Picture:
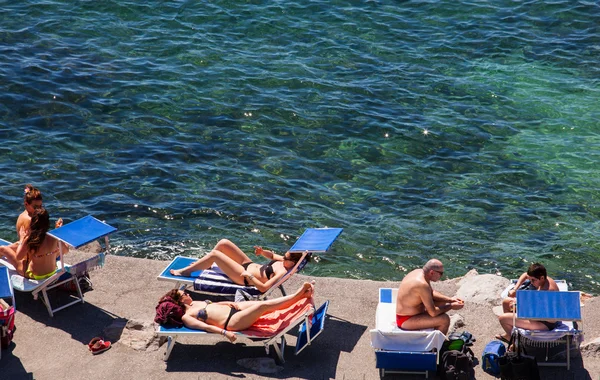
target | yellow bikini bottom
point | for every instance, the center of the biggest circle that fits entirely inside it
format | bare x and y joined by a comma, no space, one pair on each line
30,274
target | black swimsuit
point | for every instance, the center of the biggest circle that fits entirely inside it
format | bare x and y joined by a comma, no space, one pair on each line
231,313
549,325
265,270
203,314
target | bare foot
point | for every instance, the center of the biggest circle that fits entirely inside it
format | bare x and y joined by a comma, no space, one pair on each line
178,272
307,289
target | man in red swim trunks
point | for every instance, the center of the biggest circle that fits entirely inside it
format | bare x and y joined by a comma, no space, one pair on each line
418,306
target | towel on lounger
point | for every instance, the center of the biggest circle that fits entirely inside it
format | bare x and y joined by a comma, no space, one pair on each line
169,313
272,323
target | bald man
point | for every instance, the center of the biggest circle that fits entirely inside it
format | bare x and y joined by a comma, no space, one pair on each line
418,306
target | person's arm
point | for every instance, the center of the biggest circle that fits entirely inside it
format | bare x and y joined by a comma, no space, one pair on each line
520,281
258,284
552,284
57,246
259,251
193,323
427,297
22,248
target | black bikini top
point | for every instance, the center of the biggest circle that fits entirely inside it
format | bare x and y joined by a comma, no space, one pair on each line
267,269
202,313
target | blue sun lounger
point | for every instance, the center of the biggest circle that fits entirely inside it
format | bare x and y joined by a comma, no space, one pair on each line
306,334
214,282
402,351
76,234
563,307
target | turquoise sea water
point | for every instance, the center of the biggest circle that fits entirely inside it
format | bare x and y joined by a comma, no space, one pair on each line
463,130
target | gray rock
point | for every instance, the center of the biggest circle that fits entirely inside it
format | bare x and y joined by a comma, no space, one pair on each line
140,335
482,289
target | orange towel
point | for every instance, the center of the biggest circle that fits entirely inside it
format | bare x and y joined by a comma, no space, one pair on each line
272,323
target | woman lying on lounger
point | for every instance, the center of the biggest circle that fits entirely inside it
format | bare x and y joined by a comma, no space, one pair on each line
177,307
240,268
36,252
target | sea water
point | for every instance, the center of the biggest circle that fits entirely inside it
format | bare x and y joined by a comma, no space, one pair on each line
462,130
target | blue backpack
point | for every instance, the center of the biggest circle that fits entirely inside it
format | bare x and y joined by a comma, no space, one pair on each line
491,353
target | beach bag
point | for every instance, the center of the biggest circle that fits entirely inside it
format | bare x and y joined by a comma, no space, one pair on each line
7,326
492,352
458,365
518,365
457,357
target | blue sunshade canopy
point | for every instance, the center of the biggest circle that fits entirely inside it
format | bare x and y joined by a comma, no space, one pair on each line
548,305
82,231
316,240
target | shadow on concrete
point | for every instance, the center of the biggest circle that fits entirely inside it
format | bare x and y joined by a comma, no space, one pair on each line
319,361
82,321
11,366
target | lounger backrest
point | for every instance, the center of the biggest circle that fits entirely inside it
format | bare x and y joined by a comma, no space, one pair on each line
548,305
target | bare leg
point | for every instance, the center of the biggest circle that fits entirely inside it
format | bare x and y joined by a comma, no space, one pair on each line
506,321
250,311
223,250
11,257
232,251
507,304
425,321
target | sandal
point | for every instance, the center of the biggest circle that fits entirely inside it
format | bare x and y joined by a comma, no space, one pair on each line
501,338
97,345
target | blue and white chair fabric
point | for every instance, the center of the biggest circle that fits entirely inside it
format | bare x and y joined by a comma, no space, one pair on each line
402,351
214,282
76,234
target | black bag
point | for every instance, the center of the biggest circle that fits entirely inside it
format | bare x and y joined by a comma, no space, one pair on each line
518,365
457,357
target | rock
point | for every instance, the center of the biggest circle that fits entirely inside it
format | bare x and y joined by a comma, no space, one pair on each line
260,365
482,289
140,335
456,321
592,348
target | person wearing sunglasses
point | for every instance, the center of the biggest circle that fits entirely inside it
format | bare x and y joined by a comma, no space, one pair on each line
418,306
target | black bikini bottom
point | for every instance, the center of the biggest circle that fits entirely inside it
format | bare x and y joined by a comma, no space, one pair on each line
246,265
231,313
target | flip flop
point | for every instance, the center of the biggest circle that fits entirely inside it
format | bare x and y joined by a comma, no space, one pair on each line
501,338
97,345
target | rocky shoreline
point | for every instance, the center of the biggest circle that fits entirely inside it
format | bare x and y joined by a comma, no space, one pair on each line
120,308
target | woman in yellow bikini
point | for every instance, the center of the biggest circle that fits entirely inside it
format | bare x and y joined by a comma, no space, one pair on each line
35,256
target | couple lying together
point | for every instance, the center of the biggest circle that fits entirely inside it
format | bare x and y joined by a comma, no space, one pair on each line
418,306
